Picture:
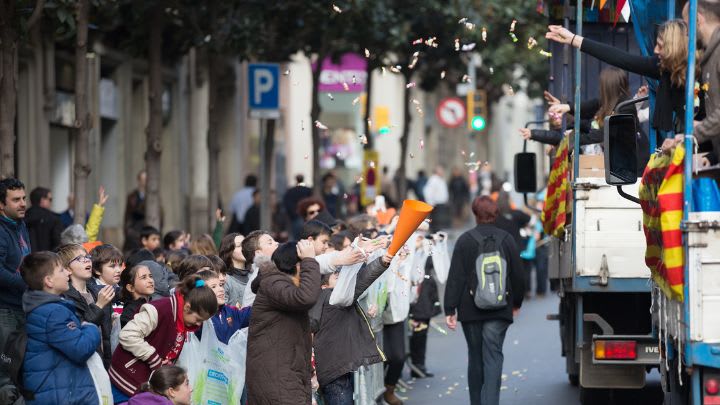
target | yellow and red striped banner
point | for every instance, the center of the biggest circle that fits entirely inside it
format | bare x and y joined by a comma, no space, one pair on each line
554,212
661,196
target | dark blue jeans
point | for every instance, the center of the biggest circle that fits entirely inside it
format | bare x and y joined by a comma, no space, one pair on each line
340,391
485,360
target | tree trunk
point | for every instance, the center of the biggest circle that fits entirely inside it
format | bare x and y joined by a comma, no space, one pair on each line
266,175
314,116
81,170
404,138
214,72
154,130
368,93
8,87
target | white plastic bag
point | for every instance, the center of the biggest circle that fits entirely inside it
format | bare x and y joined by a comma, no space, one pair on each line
101,379
115,332
190,357
441,260
343,293
217,371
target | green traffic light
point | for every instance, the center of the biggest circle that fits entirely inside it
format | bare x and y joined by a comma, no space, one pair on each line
478,123
384,131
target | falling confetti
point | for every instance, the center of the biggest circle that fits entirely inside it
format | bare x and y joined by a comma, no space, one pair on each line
468,47
410,85
395,69
356,100
372,164
417,41
363,139
469,26
545,53
531,43
336,9
457,44
422,144
367,53
462,20
462,152
414,61
484,34
514,38
415,101
472,154
320,125
306,157
359,180
512,25
492,71
330,96
412,156
466,79
431,42
442,75
286,72
345,86
354,80
345,196
369,121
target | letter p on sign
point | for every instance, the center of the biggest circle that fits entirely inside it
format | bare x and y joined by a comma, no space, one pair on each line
264,90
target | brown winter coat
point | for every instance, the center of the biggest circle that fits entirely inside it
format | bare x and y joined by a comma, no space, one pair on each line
279,342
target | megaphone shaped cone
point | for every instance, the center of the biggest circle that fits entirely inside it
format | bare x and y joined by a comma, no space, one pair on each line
411,216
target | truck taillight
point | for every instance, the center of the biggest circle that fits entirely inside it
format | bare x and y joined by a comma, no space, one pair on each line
615,349
711,386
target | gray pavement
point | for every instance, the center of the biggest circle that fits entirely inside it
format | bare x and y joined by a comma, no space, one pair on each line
534,369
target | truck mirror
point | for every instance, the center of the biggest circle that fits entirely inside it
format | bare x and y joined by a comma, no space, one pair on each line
525,173
620,149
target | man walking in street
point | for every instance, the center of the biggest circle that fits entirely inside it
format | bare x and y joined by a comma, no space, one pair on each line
14,245
436,194
44,226
241,203
484,305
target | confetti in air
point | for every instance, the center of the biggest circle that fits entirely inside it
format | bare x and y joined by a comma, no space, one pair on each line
286,72
484,34
468,47
371,164
395,69
463,20
546,53
345,196
363,139
514,38
359,180
422,144
531,43
469,26
457,44
412,156
417,41
466,79
472,154
356,100
431,42
320,125
414,62
462,152
492,71
415,101
369,122
354,80
345,86
336,9
512,25
330,96
306,157
442,75
367,53
410,85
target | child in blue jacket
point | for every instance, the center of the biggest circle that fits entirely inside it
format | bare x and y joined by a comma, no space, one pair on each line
229,319
58,344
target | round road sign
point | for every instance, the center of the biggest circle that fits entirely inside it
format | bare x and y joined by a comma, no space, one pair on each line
451,112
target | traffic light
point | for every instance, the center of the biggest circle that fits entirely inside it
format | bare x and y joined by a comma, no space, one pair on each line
477,110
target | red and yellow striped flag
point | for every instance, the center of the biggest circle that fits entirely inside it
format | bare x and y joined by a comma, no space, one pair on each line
661,199
670,197
555,210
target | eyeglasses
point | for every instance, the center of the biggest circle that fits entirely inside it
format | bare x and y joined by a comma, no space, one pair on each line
82,258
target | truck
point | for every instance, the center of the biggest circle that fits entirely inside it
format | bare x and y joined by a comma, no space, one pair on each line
622,312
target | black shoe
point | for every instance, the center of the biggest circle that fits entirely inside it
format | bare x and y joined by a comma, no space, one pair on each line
422,372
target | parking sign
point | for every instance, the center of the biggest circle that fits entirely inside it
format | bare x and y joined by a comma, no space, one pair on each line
264,90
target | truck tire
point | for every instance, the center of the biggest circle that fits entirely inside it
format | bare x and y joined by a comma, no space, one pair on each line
594,396
676,395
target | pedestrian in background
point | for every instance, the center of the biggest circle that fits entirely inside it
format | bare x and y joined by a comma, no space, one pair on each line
459,194
484,326
44,226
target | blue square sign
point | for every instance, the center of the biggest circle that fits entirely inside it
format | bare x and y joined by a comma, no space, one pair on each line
264,90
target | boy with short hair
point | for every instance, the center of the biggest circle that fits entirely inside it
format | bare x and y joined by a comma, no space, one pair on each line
318,233
58,344
150,237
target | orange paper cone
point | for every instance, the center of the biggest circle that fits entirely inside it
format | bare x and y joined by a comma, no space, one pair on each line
411,216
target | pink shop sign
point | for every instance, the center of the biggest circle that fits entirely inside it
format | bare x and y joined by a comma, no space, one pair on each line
350,71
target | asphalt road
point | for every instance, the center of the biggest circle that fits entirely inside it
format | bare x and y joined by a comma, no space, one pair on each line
534,370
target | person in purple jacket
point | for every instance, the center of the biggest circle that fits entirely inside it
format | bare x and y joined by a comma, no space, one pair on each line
168,385
229,319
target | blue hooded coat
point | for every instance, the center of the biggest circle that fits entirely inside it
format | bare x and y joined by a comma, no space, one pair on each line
58,348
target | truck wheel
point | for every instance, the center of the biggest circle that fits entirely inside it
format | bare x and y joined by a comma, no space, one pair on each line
594,396
574,379
676,395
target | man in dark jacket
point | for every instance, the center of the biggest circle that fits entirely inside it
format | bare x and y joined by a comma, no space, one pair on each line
343,340
278,353
44,226
484,329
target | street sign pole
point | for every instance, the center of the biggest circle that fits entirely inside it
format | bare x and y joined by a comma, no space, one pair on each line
264,103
